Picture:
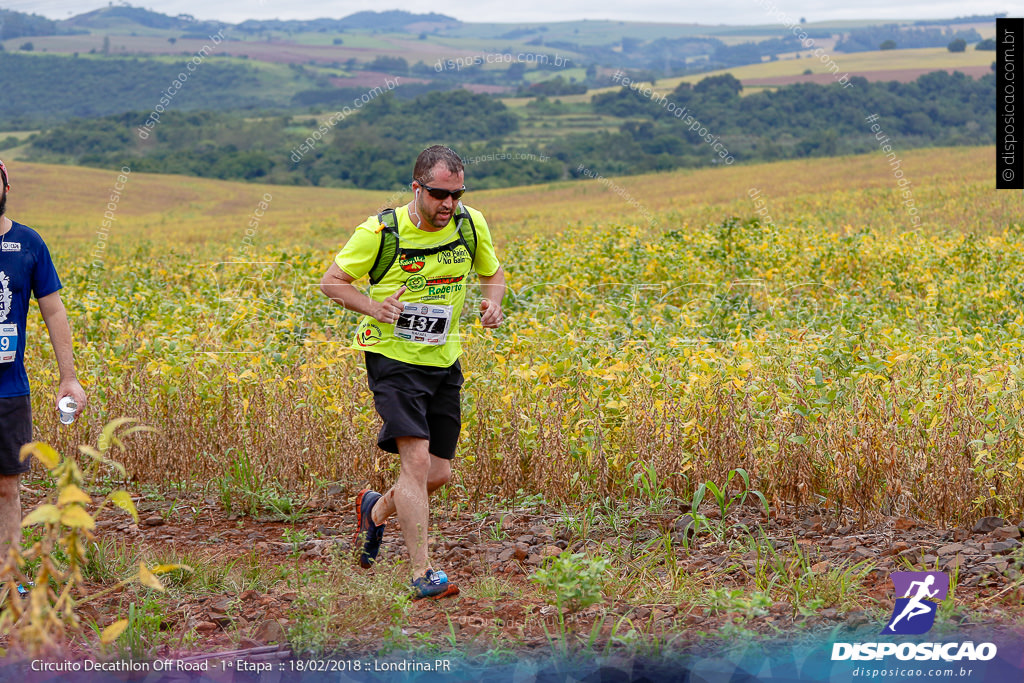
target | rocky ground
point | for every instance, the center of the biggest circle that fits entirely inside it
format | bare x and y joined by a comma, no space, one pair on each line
806,571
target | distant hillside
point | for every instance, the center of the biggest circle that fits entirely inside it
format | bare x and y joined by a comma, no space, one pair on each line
18,24
77,86
391,21
119,16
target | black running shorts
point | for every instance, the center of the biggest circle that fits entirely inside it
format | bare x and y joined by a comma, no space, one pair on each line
418,401
15,432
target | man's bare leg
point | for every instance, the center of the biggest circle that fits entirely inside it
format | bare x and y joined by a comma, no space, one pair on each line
439,475
409,498
10,513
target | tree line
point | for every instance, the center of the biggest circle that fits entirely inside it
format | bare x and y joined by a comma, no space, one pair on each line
375,147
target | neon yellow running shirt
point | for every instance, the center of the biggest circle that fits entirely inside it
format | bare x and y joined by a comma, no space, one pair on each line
427,333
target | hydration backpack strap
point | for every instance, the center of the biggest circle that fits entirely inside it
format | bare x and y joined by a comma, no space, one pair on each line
388,250
467,231
389,247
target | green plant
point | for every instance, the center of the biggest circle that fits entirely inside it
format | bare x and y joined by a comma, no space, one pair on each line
322,619
722,497
755,604
493,588
648,486
497,532
108,560
790,577
296,537
142,632
579,520
574,580
244,489
60,555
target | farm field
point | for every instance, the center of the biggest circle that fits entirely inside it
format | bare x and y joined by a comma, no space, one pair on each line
889,65
308,48
660,336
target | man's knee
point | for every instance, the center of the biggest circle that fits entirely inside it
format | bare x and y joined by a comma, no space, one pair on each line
415,459
9,486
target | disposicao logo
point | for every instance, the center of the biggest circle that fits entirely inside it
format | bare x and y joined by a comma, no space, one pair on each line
914,614
922,592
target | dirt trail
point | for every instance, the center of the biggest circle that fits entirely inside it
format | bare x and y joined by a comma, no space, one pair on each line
492,557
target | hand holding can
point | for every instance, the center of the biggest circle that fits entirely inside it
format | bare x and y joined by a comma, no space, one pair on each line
67,408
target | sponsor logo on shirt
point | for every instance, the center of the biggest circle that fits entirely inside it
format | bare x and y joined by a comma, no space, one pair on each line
411,265
10,246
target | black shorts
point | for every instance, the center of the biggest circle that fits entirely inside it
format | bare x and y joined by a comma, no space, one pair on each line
418,401
15,432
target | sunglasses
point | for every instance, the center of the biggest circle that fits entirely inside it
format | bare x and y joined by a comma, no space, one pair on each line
441,194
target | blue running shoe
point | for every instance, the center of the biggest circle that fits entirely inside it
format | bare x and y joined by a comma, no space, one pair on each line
367,533
433,585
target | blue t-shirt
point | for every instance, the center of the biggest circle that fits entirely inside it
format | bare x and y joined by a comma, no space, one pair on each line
25,268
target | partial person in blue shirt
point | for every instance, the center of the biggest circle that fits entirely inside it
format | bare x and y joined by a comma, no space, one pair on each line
25,270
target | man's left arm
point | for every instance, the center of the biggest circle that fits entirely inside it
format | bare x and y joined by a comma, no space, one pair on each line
56,319
493,289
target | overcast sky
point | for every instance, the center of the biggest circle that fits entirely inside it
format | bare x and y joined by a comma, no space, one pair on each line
670,11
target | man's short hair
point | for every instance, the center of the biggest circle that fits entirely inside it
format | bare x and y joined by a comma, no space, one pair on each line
423,172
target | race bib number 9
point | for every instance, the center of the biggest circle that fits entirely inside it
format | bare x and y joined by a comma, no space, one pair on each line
8,343
424,323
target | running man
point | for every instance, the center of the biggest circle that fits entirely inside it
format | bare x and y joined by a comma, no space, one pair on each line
915,606
25,270
410,335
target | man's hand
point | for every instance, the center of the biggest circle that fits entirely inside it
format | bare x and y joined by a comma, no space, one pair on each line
490,313
71,387
492,287
387,311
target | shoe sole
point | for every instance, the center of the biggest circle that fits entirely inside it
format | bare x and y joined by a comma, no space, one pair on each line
359,528
359,515
449,592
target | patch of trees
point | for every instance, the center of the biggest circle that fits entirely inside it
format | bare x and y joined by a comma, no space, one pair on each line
553,87
18,24
374,147
801,120
870,38
689,126
44,89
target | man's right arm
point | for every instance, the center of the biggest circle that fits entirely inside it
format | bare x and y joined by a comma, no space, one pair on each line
337,286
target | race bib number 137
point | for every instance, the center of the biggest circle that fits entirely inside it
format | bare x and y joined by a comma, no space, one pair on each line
8,343
424,323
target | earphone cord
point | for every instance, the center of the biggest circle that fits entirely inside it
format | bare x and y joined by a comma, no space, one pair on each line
414,201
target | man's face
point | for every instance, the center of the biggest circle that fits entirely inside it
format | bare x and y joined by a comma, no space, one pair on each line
437,212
